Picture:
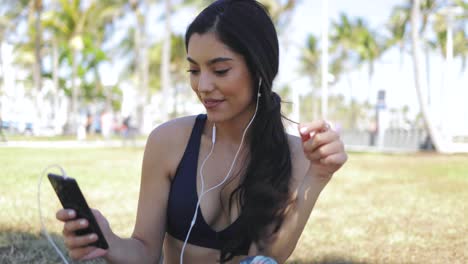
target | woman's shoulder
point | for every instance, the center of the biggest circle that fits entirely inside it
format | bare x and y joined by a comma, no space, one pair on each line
172,136
174,130
167,142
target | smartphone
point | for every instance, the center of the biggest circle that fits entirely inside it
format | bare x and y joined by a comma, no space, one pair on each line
70,197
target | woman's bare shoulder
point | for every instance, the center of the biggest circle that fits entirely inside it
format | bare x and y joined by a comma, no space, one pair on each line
169,140
173,131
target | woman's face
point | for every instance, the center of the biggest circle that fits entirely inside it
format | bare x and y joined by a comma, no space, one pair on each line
220,78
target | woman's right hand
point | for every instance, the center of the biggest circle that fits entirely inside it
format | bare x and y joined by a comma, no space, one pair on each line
78,246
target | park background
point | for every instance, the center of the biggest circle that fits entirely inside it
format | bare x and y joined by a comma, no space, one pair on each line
73,72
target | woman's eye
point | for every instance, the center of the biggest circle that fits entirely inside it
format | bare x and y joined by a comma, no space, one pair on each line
221,72
193,71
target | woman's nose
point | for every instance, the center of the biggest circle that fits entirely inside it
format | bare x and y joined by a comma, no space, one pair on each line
205,83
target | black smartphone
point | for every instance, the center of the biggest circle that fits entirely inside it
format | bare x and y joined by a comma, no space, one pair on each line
70,196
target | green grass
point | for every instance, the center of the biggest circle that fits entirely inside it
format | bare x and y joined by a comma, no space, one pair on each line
377,209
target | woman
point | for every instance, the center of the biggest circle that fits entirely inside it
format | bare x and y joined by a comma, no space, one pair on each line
229,184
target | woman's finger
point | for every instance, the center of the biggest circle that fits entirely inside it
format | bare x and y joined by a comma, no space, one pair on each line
325,150
337,159
65,214
74,225
308,130
319,140
85,253
98,252
73,242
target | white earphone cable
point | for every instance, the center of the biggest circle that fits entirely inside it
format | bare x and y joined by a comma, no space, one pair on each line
43,228
192,223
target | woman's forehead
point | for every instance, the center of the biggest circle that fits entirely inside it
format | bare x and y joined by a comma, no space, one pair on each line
206,47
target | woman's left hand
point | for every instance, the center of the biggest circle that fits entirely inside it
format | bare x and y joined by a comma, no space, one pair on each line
323,147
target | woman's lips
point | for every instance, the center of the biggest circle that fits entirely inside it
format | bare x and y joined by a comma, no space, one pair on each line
212,103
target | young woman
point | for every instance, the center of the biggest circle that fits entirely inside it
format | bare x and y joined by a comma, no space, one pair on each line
229,184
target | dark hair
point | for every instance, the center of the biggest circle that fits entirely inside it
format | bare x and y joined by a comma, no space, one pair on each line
246,28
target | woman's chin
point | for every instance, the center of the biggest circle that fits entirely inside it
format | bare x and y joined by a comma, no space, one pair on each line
218,116
215,116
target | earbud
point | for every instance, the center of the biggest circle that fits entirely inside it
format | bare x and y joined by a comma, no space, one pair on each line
213,134
259,85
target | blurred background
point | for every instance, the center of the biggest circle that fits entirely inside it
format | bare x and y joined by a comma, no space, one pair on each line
388,75
83,82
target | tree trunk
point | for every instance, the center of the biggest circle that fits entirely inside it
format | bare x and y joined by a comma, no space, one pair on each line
440,144
138,61
165,62
37,78
55,69
144,63
141,63
73,120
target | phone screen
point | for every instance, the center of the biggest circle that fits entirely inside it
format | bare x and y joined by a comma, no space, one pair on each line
70,197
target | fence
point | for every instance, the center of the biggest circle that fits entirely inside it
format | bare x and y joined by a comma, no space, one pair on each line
396,139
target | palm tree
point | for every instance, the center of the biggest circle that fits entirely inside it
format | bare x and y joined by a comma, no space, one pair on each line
311,66
280,11
36,7
141,63
399,25
78,33
343,46
439,143
460,38
368,48
166,56
417,14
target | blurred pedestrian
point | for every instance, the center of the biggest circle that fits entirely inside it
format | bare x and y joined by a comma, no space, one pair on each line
106,123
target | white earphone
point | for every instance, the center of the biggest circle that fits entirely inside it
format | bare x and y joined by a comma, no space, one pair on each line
259,86
202,191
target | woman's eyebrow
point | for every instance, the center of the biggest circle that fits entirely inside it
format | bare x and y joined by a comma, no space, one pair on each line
212,61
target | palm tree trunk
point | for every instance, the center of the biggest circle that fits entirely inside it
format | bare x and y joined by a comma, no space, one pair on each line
138,61
55,69
439,143
145,61
144,66
37,78
141,62
166,59
73,121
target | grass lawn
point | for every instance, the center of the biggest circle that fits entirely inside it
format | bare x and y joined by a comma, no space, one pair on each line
378,209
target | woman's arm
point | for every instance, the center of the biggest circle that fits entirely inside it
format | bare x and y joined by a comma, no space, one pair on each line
281,245
145,245
319,156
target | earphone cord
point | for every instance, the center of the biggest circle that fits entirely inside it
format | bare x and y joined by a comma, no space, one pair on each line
221,183
43,228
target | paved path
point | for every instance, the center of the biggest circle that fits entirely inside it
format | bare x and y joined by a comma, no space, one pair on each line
73,144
